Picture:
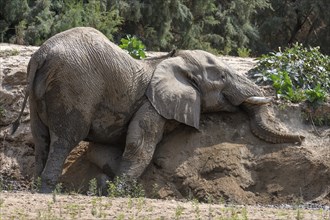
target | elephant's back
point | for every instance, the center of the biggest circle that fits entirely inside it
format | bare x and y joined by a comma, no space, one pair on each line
87,64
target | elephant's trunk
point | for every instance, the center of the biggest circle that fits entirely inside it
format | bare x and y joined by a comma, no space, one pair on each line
260,125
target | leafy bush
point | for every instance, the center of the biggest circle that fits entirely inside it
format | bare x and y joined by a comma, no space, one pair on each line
243,52
133,46
297,73
316,95
92,188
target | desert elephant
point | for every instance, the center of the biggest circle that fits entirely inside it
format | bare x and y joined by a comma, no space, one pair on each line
83,87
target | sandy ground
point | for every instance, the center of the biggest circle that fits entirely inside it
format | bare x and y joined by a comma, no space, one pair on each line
25,205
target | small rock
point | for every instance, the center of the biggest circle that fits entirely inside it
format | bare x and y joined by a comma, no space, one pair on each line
6,98
14,77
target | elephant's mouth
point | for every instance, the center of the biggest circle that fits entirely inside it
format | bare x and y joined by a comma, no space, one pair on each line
258,111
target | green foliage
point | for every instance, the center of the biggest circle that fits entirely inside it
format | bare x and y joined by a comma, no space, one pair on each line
37,21
92,187
226,27
296,73
2,112
91,14
243,52
36,184
133,46
58,190
162,25
316,95
124,187
178,212
6,53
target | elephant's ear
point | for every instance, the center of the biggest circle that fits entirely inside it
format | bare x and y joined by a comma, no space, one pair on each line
173,94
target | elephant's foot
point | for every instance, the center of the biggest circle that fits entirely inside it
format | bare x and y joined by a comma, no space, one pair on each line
129,169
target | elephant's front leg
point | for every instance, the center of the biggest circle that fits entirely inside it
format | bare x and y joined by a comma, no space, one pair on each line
144,132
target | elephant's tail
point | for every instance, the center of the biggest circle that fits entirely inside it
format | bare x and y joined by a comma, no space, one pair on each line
31,72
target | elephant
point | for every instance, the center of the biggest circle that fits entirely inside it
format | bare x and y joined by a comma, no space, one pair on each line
81,86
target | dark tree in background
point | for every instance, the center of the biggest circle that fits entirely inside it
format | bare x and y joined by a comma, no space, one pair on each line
219,26
213,25
287,22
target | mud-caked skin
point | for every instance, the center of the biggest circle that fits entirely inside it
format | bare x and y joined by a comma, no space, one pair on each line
83,87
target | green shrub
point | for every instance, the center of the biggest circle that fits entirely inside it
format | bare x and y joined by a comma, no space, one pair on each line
133,46
243,52
92,187
297,73
316,95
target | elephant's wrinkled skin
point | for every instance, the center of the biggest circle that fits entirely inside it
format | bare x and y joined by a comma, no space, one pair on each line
83,87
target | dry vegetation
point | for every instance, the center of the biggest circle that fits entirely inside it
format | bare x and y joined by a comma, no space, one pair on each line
25,205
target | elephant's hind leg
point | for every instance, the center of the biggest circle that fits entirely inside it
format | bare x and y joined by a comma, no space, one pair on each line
59,149
67,127
41,140
144,132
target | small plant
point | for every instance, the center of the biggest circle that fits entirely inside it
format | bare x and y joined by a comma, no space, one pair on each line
92,187
297,73
48,213
19,214
234,213
2,112
197,210
123,187
1,184
130,203
58,188
57,191
245,214
97,207
73,210
155,189
243,52
140,203
178,212
209,198
6,53
36,184
121,216
222,200
316,95
133,46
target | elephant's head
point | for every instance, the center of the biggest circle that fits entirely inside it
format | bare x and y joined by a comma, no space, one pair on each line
192,82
